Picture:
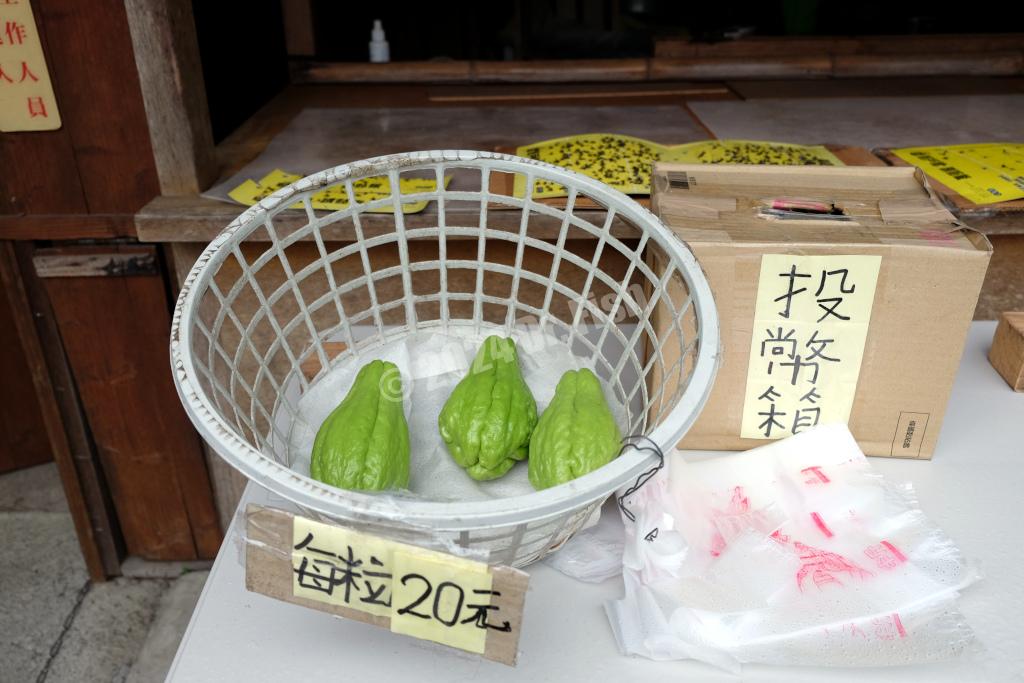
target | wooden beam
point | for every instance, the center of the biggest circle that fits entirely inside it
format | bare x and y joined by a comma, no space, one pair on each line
171,78
560,71
776,46
299,37
98,261
392,72
66,226
809,58
907,86
944,43
1007,63
40,174
549,71
23,438
91,511
590,93
97,85
761,46
228,483
721,68
197,219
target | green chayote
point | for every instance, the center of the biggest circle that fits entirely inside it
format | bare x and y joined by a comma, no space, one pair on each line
488,419
364,443
575,435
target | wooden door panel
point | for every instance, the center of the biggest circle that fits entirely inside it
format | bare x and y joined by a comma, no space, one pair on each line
23,440
115,332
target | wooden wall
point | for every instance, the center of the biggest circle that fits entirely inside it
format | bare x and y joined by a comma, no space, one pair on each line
86,181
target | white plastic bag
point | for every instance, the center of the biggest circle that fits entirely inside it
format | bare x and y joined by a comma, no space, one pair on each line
593,554
792,553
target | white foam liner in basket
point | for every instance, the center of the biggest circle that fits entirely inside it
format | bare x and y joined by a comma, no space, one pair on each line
266,298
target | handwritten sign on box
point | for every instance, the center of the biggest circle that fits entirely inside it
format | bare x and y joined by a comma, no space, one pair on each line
811,321
412,591
26,94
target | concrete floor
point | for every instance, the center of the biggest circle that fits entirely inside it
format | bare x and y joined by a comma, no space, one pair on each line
56,625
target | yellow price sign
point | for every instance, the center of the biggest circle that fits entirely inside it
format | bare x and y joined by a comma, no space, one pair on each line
341,567
413,591
445,599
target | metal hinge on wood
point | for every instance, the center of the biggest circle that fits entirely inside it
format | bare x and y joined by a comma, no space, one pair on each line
96,261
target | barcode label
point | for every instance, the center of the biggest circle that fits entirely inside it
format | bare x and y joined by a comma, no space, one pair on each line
680,181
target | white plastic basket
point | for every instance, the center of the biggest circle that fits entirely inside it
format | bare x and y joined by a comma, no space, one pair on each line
252,311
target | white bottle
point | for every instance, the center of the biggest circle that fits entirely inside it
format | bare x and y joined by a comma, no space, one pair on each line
379,50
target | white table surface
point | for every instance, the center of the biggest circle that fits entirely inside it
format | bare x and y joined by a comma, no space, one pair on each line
972,489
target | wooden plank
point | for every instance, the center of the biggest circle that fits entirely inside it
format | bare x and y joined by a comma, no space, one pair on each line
349,134
1003,289
91,56
171,78
228,483
534,71
754,46
594,93
311,366
855,156
65,226
818,64
560,71
96,262
708,133
393,72
505,185
191,219
1007,63
181,256
64,427
23,439
299,37
876,87
767,46
255,134
196,219
115,334
724,68
945,43
40,174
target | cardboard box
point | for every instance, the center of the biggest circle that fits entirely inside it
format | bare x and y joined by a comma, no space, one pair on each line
898,310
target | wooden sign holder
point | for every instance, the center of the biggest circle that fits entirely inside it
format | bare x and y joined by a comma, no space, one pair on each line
268,571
